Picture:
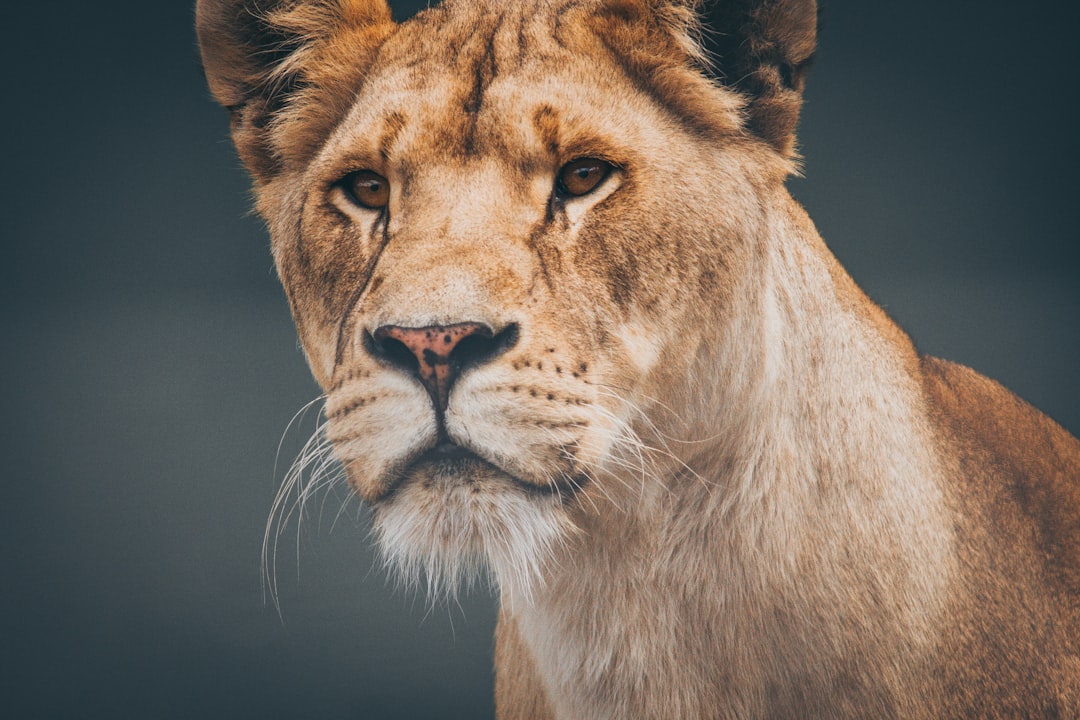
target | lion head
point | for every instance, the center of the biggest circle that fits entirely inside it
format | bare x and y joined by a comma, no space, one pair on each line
510,236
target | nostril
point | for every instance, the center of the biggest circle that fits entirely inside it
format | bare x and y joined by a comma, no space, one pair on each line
483,346
391,351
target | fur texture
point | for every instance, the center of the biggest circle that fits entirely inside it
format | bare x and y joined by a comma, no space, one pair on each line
710,478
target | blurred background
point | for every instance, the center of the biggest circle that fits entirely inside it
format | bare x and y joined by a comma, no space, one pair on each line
150,367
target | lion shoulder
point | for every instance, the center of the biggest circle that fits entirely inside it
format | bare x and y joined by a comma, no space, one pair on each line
1022,463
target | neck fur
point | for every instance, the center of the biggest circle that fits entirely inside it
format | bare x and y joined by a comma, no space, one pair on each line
802,522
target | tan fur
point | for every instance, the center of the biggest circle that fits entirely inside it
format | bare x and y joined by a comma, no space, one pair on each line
710,478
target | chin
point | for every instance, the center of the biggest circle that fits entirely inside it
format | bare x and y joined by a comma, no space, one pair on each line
452,519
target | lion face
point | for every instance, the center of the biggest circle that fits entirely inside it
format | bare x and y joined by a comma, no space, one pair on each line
500,270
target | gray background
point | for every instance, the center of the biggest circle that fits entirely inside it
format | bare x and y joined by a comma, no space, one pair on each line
150,367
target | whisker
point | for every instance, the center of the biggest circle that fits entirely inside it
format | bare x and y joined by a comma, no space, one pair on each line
311,472
664,451
619,393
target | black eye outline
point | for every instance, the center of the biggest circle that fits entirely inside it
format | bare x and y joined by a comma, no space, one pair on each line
565,191
375,194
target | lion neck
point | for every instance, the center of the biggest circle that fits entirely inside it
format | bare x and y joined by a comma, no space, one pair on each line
786,529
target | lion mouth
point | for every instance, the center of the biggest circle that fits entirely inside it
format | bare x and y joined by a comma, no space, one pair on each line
450,458
448,464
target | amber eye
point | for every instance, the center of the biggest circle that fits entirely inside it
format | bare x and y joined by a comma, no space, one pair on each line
367,189
581,176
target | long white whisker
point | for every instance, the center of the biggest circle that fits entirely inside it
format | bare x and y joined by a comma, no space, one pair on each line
641,445
297,418
308,475
613,391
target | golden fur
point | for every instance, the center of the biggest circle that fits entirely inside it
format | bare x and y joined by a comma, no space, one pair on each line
708,475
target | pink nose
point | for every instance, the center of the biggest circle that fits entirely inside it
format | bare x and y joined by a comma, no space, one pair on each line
437,354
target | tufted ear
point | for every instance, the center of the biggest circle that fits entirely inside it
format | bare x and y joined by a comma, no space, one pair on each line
286,69
763,48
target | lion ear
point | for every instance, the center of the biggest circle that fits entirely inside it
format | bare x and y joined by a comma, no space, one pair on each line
763,49
265,58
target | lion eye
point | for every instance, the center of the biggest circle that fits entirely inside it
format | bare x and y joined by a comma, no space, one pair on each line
367,189
581,176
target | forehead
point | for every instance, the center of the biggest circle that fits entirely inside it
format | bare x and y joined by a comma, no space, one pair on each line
469,79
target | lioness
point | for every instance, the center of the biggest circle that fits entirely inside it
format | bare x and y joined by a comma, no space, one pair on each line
573,329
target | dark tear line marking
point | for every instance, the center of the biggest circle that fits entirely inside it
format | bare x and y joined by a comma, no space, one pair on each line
537,247
347,325
302,257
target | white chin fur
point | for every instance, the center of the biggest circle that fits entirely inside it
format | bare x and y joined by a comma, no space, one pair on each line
445,534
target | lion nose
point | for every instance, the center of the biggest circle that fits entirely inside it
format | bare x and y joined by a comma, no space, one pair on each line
438,354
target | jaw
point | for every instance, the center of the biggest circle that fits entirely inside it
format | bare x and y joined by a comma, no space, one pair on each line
453,516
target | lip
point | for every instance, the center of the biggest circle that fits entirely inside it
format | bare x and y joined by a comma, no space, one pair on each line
447,451
450,458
